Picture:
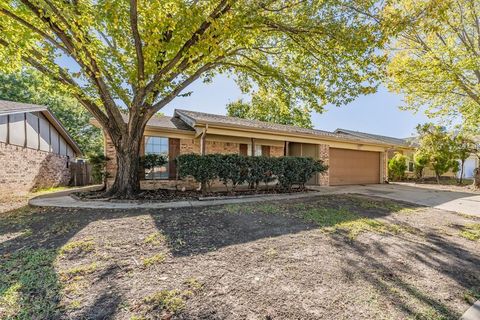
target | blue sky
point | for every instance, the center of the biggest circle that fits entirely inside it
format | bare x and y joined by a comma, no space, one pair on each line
377,113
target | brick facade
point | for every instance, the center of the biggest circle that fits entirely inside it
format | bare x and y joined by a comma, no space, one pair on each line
324,155
25,169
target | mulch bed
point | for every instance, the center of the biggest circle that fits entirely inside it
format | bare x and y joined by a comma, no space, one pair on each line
169,195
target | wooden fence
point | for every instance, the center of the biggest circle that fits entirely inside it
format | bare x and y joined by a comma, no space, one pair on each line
80,173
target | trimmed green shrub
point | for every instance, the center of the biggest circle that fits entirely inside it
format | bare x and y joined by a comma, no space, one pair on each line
297,170
204,169
234,169
397,167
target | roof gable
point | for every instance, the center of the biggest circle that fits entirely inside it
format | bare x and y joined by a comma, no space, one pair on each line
11,107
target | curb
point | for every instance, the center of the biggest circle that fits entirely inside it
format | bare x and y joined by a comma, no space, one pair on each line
67,201
473,313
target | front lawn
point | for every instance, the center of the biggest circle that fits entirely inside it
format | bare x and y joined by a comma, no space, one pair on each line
330,257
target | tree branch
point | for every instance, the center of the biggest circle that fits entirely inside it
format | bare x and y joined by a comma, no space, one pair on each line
137,41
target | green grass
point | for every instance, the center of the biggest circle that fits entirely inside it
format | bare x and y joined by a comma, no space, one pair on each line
153,260
172,301
49,190
78,247
29,288
471,232
472,295
155,238
334,220
79,271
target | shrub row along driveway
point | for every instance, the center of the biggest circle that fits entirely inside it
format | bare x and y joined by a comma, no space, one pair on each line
332,256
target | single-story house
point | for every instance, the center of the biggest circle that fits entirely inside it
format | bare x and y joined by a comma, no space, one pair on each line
35,149
351,160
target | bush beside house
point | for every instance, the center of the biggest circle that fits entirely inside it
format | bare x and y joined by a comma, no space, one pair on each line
233,169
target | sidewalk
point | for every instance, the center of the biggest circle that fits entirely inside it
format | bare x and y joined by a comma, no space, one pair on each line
66,201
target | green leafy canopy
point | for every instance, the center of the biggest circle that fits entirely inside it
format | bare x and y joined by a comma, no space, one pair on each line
127,59
436,58
271,107
145,53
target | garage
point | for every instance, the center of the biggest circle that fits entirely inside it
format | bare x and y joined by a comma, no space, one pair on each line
353,167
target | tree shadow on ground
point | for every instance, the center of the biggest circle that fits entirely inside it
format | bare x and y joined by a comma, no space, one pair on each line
31,242
394,279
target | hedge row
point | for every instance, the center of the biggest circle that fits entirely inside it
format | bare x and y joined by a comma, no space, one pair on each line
234,169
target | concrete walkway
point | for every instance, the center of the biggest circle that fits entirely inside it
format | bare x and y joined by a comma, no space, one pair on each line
462,202
65,201
466,202
473,313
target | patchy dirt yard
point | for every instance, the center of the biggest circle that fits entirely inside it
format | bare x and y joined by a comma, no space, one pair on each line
328,257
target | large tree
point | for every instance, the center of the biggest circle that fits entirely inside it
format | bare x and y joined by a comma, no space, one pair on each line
124,60
271,107
30,87
436,57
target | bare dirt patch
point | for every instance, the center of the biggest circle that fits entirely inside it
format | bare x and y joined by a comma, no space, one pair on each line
342,257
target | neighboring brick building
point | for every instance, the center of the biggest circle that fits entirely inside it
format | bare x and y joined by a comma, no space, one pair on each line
35,149
351,160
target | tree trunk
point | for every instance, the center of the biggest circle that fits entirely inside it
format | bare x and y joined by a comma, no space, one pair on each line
476,178
438,177
461,172
127,180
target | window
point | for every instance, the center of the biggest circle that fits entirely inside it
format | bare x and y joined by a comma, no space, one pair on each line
258,150
410,166
157,145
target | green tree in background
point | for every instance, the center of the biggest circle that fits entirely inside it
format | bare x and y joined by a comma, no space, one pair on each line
420,161
463,147
436,57
137,56
397,167
436,145
29,87
271,107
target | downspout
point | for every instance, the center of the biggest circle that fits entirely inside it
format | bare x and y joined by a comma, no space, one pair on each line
203,151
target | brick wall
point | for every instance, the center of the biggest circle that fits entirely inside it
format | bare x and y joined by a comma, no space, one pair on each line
193,146
276,151
324,155
24,169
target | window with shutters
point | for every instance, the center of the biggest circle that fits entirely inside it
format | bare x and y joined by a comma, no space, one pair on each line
157,145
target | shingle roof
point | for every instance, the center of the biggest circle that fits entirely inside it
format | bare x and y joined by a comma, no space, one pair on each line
385,139
168,122
215,118
201,117
11,107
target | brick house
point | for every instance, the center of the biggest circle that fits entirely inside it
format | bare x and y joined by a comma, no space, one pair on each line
351,160
35,149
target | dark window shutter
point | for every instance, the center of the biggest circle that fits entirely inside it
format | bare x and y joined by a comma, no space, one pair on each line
173,153
243,149
266,151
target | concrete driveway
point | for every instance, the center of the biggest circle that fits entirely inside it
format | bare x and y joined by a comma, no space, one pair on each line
461,202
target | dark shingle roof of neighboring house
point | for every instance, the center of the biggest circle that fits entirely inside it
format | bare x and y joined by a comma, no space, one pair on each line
193,117
364,135
11,107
